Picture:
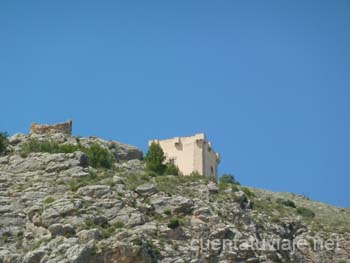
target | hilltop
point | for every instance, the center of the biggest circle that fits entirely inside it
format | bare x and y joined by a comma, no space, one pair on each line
86,200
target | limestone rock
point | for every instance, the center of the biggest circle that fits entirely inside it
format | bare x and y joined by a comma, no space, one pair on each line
146,190
54,208
95,191
212,187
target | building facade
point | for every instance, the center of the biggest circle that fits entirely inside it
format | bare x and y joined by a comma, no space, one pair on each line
191,154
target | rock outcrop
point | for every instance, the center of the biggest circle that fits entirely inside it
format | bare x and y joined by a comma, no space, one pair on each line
55,208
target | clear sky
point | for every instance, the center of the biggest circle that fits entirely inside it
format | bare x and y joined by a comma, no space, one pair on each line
267,81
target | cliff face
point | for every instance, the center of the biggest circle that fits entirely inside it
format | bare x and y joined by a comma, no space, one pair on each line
56,208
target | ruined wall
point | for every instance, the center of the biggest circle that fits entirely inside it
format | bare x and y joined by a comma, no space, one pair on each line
65,127
191,154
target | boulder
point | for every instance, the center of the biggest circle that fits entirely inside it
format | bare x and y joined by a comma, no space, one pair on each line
79,254
95,191
213,188
146,190
90,234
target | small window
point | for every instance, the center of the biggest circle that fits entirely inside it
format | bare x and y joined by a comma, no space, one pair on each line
211,169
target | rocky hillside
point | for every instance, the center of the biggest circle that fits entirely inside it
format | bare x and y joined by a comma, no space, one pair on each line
56,207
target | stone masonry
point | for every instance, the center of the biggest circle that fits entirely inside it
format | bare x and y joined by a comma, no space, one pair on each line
65,128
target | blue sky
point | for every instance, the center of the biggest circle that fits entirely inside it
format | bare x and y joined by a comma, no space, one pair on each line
267,81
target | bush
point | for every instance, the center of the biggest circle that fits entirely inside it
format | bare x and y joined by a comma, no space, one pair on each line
49,200
34,145
234,188
174,223
287,202
195,174
167,212
305,212
3,142
172,169
118,224
99,156
228,179
248,192
155,158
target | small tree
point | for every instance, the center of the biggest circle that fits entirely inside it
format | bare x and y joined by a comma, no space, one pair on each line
99,156
3,142
172,169
228,179
155,158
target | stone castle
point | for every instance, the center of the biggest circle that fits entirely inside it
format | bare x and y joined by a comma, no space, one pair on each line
191,154
65,128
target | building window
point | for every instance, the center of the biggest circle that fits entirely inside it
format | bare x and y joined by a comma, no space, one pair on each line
211,169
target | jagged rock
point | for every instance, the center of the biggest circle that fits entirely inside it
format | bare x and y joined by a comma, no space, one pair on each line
34,256
79,254
182,205
7,256
129,217
203,214
58,209
146,190
88,235
213,188
244,200
56,230
82,158
160,203
61,230
95,191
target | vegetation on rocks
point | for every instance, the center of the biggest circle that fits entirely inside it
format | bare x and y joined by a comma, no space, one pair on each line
287,202
306,212
172,169
228,179
98,156
3,142
55,209
174,223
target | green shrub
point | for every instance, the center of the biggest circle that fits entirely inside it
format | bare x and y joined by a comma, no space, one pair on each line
49,200
228,179
248,192
4,142
48,146
305,212
99,156
118,224
174,223
134,180
172,169
167,212
151,174
155,158
234,188
287,202
195,174
151,250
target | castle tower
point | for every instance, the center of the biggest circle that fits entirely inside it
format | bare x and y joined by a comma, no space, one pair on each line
191,154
